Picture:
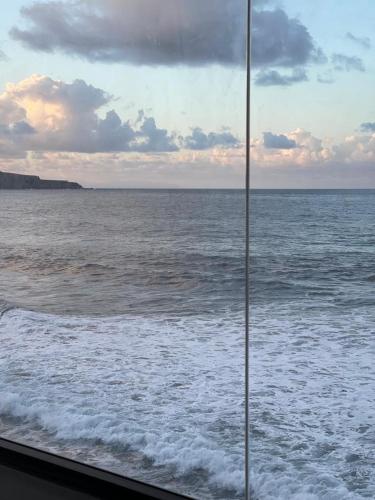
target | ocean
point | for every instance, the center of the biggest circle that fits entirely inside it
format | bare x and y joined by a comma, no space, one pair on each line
312,349
122,335
122,332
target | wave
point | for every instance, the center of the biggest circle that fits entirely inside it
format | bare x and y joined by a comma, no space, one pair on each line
168,388
312,403
48,264
4,307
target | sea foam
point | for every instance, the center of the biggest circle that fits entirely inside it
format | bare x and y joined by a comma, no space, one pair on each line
171,389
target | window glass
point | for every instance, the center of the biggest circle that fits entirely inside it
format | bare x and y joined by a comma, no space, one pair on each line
312,250
122,236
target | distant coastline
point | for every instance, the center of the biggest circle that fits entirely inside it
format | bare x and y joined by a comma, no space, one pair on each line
20,181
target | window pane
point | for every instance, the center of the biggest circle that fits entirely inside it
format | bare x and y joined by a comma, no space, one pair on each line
312,376
121,313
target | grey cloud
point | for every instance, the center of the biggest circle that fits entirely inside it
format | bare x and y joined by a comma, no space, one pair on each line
273,141
332,176
278,40
368,127
281,41
16,129
150,138
161,32
90,134
342,62
78,96
269,78
364,42
167,32
111,134
22,128
199,140
12,139
10,112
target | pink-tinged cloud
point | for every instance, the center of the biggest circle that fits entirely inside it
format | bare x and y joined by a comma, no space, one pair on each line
42,114
216,168
314,162
298,147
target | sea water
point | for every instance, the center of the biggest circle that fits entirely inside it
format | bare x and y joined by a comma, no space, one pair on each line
122,336
312,345
122,332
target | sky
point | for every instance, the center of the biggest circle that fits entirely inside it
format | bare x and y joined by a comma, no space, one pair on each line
151,93
313,107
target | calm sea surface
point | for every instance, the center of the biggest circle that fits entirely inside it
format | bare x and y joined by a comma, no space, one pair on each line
122,340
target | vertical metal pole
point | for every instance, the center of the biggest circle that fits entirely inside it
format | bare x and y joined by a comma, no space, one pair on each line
247,258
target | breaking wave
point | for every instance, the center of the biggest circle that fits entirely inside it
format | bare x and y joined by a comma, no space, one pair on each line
168,388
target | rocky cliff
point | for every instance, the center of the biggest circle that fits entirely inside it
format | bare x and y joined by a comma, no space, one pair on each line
18,181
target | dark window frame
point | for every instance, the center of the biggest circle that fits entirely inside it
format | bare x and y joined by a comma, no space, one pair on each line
26,472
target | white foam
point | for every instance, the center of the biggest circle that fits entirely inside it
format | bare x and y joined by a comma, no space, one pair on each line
169,388
172,389
312,402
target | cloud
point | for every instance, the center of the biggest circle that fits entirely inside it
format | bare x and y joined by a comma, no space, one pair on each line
10,112
42,114
368,127
267,78
272,141
274,152
364,42
278,40
298,147
17,128
355,149
199,140
76,97
161,32
331,175
342,62
167,32
62,115
13,139
14,129
151,138
217,168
